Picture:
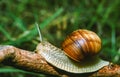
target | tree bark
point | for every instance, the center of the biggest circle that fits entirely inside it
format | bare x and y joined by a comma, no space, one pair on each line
31,61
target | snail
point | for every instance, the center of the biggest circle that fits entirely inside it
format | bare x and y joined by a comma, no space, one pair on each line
72,57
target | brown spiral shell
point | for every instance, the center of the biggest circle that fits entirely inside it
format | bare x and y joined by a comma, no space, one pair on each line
81,44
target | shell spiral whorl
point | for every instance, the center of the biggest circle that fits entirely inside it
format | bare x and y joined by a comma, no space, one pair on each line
81,44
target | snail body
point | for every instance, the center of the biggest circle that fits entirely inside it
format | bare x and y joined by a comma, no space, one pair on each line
67,60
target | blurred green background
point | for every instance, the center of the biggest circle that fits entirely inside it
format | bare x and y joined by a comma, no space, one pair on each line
57,19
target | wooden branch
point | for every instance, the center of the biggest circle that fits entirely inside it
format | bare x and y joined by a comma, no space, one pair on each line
30,61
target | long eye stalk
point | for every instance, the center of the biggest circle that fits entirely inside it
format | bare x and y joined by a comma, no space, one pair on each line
39,31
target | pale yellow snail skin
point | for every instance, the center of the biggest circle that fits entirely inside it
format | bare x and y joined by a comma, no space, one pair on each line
75,61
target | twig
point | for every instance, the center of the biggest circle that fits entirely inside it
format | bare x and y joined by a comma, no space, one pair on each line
30,61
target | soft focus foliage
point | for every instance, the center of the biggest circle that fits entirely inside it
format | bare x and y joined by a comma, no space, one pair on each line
58,18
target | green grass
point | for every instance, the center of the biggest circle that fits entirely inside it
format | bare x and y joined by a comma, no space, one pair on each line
20,73
57,19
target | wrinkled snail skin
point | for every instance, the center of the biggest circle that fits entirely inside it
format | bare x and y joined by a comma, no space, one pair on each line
81,44
84,44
